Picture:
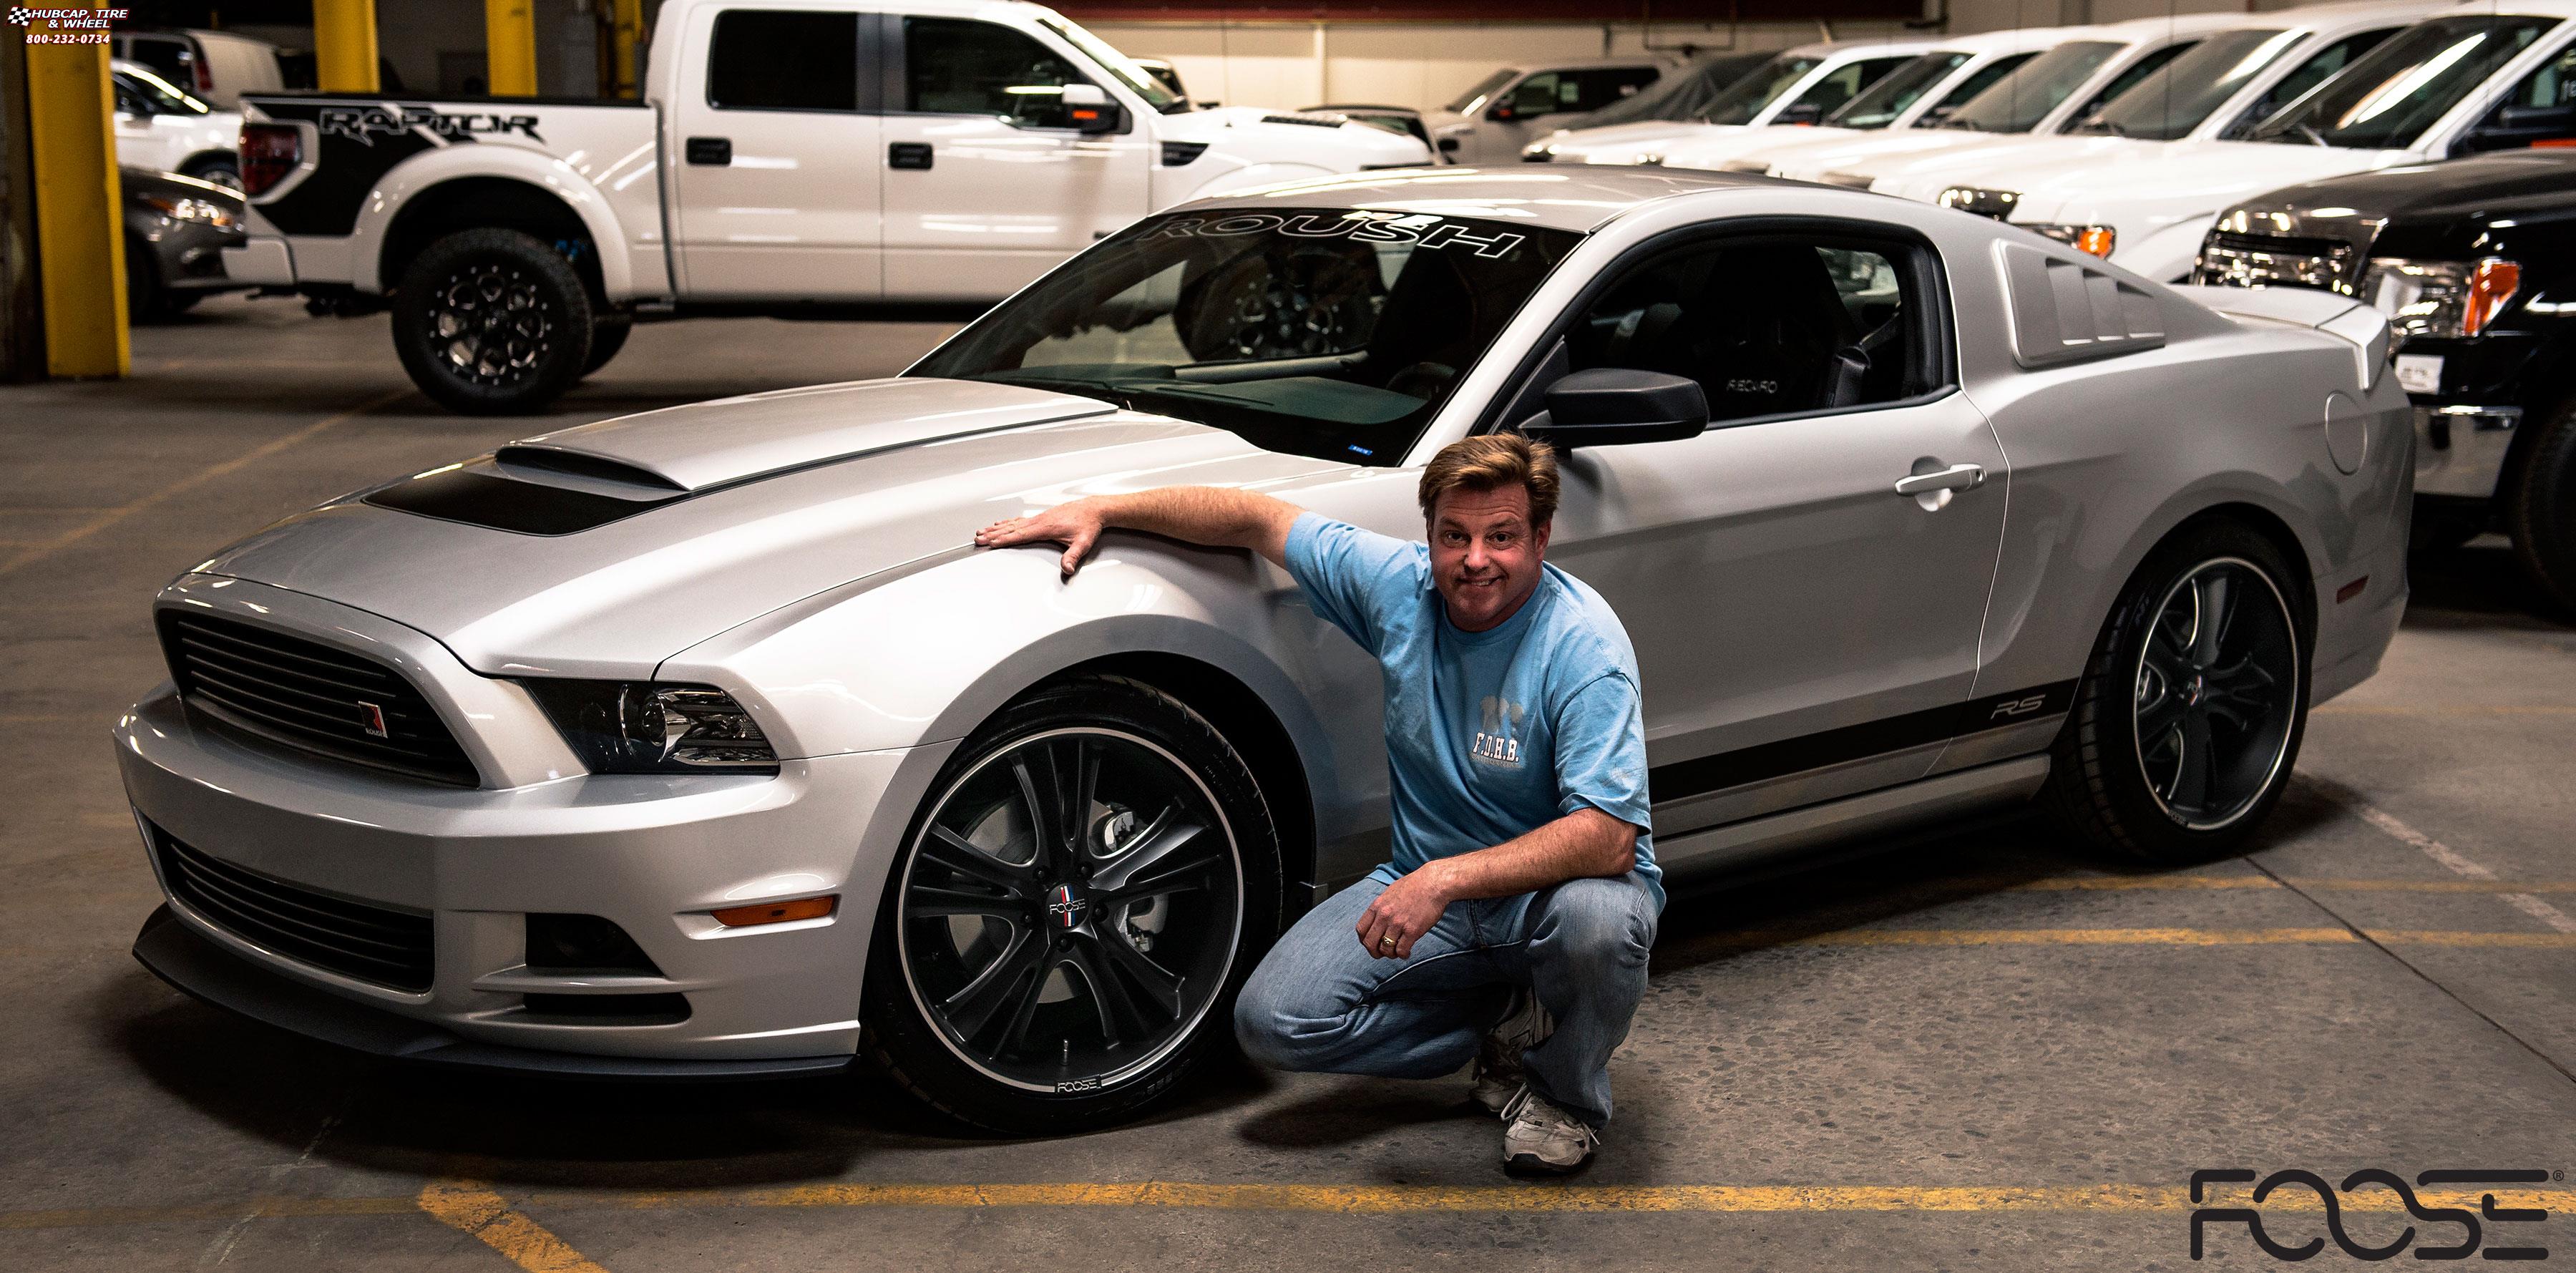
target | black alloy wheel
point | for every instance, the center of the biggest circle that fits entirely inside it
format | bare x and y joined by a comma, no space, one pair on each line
2189,716
1080,897
492,322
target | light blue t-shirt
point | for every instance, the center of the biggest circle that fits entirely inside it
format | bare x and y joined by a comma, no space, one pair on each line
1489,735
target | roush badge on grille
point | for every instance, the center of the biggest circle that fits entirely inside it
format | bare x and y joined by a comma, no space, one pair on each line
372,718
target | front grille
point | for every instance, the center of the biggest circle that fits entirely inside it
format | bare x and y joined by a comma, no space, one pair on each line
311,697
2257,260
371,943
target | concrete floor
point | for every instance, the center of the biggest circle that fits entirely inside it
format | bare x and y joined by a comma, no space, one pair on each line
1980,1050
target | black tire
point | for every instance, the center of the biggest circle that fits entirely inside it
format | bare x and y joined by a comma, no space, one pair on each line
607,336
2540,512
956,1008
145,301
492,322
219,169
2154,696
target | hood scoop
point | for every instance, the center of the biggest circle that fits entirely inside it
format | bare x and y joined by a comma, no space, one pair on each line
583,478
702,446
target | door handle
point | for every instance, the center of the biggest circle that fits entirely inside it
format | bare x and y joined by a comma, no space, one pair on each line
1957,477
908,154
715,151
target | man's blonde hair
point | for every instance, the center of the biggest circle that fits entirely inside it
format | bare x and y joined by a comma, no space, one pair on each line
1491,461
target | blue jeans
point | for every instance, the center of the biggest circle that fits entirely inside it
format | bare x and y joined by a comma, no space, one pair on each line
1319,1002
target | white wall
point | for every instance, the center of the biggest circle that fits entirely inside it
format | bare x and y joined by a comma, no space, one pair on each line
1406,64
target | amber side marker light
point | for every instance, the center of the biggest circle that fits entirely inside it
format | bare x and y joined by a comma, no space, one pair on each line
777,912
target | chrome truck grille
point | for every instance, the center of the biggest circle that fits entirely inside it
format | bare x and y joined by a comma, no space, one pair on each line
311,697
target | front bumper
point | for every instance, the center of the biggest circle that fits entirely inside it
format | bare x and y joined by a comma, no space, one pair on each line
652,854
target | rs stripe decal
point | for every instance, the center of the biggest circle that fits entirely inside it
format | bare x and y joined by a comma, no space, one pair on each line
1702,774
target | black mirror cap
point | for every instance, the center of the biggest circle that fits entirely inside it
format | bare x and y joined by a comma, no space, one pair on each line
1607,406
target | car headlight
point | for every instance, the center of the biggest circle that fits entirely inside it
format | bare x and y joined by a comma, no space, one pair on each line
2440,298
627,727
2096,239
1651,159
1998,204
200,210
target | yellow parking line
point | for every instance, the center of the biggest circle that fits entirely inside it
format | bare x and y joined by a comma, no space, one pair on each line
2115,883
472,1208
2194,883
39,551
2133,937
2373,709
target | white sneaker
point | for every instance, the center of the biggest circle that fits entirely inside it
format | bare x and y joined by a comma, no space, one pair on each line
1498,1062
1543,1140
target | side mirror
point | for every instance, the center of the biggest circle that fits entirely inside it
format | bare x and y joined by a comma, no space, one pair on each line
1090,110
1607,406
1798,114
2516,127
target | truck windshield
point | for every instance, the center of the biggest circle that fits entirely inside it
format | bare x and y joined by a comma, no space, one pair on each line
1329,332
2384,100
1678,96
2015,103
1138,80
1878,105
1468,102
163,96
2178,95
1746,97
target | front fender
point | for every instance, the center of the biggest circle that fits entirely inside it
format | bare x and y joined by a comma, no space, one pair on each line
925,653
430,169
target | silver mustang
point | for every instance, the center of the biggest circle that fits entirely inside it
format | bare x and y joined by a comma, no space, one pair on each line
703,743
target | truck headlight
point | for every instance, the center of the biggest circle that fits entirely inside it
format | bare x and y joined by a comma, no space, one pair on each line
2096,239
628,727
1998,204
202,210
2440,298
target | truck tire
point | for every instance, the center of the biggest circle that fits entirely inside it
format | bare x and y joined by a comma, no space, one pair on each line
1081,895
2184,732
222,170
2540,513
607,336
492,322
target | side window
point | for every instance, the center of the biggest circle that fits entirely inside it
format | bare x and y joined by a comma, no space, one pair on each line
171,59
784,60
1602,87
128,101
1840,85
958,67
2540,111
1543,94
2316,70
2551,87
1768,325
2128,79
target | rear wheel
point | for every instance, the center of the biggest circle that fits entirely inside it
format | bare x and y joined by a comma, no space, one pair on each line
2541,512
2190,713
1090,881
492,322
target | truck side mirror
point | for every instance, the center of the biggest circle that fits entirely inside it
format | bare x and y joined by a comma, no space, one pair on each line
2517,127
1610,405
1088,108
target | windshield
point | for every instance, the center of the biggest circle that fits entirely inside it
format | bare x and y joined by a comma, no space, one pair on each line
1473,98
1745,98
1881,103
2015,103
1976,82
1678,96
1329,332
2181,93
164,97
2384,100
1137,79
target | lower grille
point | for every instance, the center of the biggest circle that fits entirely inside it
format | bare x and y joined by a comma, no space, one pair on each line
374,944
2254,260
310,696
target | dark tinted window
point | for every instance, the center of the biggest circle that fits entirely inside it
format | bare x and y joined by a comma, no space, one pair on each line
784,61
1834,326
956,67
1557,92
2181,93
2017,101
2397,90
2137,71
1842,84
1978,81
2319,67
1746,97
172,58
1890,97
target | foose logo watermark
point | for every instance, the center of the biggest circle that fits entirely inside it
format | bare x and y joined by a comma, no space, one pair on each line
2429,1244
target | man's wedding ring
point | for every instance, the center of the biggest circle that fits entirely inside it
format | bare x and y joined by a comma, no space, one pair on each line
1387,940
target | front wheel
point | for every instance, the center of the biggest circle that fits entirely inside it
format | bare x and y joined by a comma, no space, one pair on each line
2541,510
1087,886
2190,713
492,322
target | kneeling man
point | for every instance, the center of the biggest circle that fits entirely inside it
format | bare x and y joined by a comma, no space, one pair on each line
1513,923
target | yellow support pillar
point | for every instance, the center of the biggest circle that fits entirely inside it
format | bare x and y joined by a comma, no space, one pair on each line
344,45
80,248
626,28
509,48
